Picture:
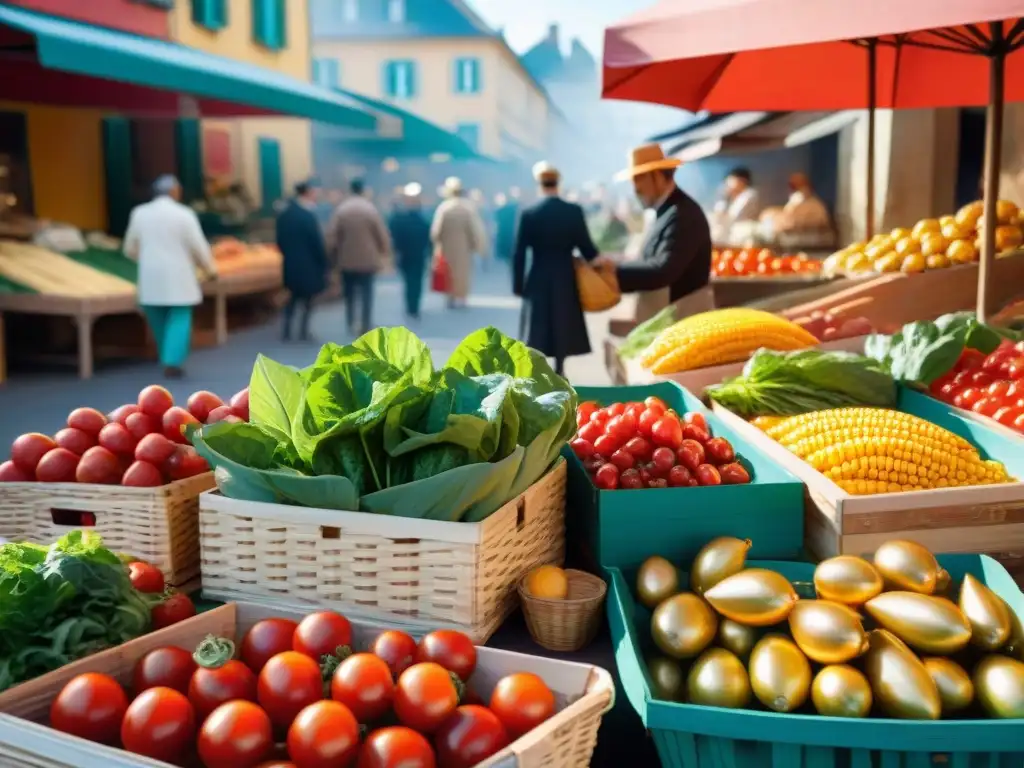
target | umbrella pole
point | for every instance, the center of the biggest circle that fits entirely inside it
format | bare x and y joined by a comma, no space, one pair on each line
993,152
869,219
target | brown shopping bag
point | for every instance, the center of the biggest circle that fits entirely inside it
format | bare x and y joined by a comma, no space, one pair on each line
598,288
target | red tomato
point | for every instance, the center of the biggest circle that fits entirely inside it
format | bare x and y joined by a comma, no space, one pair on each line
623,459
707,474
636,410
986,406
655,403
584,411
201,403
89,420
594,463
98,465
141,424
452,650
734,474
622,427
936,386
146,577
1015,370
981,378
154,448
237,734
607,477
968,398
240,404
221,413
175,608
28,449
116,438
364,684
608,444
601,416
1008,415
680,477
522,702
185,462
697,418
57,466
142,474
396,747
12,473
397,649
590,432
323,735
949,391
90,706
469,736
696,432
160,723
74,440
288,683
1018,423
154,400
583,449
647,421
663,460
616,409
970,359
658,482
425,696
631,480
640,448
667,432
690,454
173,423
220,682
169,667
999,389
120,414
266,639
1015,390
720,451
324,633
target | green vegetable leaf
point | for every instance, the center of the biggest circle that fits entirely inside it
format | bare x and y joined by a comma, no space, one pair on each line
275,396
640,338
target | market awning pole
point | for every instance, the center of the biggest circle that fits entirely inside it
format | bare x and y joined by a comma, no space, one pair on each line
993,152
869,219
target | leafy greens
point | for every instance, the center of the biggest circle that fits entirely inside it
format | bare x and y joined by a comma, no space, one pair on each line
640,338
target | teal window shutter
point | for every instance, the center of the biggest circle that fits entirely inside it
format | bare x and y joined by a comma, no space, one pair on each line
467,75
189,151
269,23
212,14
271,185
117,164
389,85
411,87
469,133
317,71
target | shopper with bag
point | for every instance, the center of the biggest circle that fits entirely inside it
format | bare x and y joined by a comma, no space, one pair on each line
552,231
457,233
410,234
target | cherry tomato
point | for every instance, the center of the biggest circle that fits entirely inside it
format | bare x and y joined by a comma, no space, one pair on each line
640,448
324,633
986,406
287,684
647,421
154,401
89,420
655,403
949,391
174,421
57,466
98,465
141,424
623,427
323,735
12,473
734,474
154,448
1000,388
522,701
1015,390
240,404
680,477
616,409
425,696
690,454
970,359
160,723
635,410
1008,415
663,460
936,386
470,735
90,706
236,734
968,398
623,459
28,449
265,639
120,414
396,747
363,683
142,474
607,444
667,432
397,649
981,378
607,477
594,463
583,449
590,432
185,462
630,479
201,403
697,418
175,608
219,678
1018,423
169,667
74,440
584,411
696,432
720,451
707,474
117,439
601,417
1015,370
658,482
451,649
146,578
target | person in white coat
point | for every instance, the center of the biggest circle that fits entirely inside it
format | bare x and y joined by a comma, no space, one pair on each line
165,238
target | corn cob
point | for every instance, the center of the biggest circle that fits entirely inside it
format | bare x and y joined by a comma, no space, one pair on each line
721,336
764,423
873,450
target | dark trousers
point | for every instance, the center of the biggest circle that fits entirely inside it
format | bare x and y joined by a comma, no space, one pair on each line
305,303
358,286
412,276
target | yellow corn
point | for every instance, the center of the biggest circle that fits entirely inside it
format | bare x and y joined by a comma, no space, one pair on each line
721,336
764,423
874,450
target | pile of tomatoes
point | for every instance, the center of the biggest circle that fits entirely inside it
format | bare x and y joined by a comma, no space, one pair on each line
763,262
647,445
991,385
175,607
139,444
295,697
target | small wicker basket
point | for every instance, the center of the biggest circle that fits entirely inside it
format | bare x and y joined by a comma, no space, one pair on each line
570,624
598,288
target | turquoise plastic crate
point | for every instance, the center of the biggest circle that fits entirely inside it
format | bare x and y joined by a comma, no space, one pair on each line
623,528
690,736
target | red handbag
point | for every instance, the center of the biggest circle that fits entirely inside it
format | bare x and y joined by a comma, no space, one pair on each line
441,275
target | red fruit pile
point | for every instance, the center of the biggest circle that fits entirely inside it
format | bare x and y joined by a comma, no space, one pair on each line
991,385
647,445
138,444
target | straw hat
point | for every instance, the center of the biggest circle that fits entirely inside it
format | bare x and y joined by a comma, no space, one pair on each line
412,190
452,186
545,171
647,159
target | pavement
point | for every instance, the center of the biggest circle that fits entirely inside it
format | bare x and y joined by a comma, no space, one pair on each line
40,402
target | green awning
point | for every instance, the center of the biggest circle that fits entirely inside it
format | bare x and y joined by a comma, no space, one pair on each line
84,49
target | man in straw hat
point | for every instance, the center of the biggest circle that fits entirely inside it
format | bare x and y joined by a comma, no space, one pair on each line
676,253
410,233
552,230
457,233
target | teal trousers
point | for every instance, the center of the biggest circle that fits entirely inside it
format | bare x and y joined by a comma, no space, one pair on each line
172,329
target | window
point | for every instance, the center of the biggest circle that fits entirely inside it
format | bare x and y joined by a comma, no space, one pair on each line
269,26
400,79
212,14
469,133
396,11
327,72
467,75
350,10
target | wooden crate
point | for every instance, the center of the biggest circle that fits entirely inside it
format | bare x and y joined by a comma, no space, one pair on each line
159,525
583,693
407,571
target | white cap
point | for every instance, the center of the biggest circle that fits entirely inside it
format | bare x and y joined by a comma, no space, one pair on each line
412,190
545,170
452,185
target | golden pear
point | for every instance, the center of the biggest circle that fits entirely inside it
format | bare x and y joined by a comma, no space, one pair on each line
736,637
780,674
900,682
847,579
937,261
683,625
667,679
717,560
924,226
1006,212
1015,645
924,622
933,242
656,580
899,233
944,220
1008,238
889,261
943,582
999,686
967,217
827,632
907,245
953,231
718,679
953,683
962,252
987,613
839,690
756,597
908,566
913,263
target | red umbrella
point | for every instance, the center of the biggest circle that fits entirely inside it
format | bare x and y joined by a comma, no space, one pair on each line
729,55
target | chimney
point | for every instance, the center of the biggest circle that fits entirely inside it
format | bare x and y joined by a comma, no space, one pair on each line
553,33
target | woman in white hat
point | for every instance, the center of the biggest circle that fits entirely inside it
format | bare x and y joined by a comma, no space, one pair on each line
457,233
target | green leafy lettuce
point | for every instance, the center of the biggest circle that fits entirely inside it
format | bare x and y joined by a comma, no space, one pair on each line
640,338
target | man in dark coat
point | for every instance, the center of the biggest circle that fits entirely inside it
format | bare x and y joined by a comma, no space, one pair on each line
301,242
677,250
410,238
551,231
